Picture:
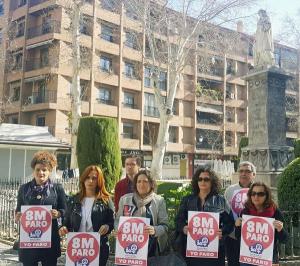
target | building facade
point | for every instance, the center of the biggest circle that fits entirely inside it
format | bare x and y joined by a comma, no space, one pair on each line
210,109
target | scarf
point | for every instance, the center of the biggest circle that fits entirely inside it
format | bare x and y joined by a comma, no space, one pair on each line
39,192
141,204
268,212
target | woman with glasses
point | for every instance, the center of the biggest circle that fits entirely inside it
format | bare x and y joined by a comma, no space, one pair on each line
205,198
143,202
260,203
91,209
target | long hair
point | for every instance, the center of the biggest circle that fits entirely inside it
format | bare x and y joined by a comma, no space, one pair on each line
101,192
269,202
215,181
147,173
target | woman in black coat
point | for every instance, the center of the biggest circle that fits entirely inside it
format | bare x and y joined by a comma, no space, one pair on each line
91,210
205,198
260,203
41,191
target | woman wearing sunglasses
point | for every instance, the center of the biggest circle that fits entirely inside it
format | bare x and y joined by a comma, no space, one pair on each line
260,203
91,210
206,198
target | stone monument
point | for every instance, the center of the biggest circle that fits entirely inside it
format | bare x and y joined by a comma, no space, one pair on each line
267,148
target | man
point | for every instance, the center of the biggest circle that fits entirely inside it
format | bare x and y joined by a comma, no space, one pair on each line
125,185
247,172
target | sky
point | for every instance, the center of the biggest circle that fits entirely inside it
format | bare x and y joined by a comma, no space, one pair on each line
277,11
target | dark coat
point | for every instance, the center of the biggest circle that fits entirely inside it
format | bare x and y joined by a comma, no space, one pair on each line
213,203
280,237
101,214
57,199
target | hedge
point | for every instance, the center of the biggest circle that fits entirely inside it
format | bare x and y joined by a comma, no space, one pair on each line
98,143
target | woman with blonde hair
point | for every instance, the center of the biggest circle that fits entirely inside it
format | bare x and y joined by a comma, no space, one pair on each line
91,209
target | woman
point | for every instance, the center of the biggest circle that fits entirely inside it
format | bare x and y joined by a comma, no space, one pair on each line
143,202
260,203
42,191
206,187
90,210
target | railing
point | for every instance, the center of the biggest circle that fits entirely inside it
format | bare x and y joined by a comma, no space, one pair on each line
129,105
36,63
49,96
36,2
104,101
52,26
151,111
8,202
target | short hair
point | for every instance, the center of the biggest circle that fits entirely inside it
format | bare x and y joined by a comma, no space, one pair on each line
243,163
136,158
215,181
147,173
44,157
269,202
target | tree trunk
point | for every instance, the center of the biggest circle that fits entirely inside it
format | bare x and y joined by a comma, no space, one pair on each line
76,102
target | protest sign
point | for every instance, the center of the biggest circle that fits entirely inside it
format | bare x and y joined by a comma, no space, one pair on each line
202,237
132,242
257,240
83,248
35,226
238,200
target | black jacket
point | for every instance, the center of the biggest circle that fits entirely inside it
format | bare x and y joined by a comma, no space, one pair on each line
101,214
57,199
280,237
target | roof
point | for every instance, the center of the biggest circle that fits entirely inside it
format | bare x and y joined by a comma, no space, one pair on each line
26,135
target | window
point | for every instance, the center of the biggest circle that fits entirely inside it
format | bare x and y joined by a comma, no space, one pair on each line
83,28
130,40
44,57
172,134
16,94
13,120
128,100
131,13
40,121
22,3
20,28
162,82
18,58
46,24
150,108
1,7
110,5
129,70
128,130
104,96
106,33
147,77
105,64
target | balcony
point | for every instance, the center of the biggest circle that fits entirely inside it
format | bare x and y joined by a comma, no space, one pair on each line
36,2
49,96
151,111
36,63
130,105
105,101
46,28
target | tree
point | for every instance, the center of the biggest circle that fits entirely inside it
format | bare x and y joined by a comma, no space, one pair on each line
171,32
98,144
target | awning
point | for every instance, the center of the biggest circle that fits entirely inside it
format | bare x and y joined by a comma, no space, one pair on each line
209,109
38,44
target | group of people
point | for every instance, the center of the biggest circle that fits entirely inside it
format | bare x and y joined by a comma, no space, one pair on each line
91,209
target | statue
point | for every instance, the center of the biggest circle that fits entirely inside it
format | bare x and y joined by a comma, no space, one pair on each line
263,47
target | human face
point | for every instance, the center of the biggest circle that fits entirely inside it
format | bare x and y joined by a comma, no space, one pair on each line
131,167
258,196
204,182
41,173
143,186
91,181
246,175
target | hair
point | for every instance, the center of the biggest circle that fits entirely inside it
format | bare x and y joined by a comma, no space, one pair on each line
269,202
101,192
215,181
44,157
136,158
147,173
247,163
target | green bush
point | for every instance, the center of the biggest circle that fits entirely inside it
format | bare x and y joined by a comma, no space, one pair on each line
297,148
243,143
98,143
163,187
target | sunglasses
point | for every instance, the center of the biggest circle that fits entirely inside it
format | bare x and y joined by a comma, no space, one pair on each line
258,194
205,179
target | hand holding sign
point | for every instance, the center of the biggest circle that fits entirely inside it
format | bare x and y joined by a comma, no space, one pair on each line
278,225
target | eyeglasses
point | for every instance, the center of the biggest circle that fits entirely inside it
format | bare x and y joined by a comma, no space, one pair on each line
93,178
258,194
245,171
205,179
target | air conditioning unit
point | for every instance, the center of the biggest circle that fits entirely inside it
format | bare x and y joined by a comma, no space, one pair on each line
31,99
232,96
167,159
176,159
183,156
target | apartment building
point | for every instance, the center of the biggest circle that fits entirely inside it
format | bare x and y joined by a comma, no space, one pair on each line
210,109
